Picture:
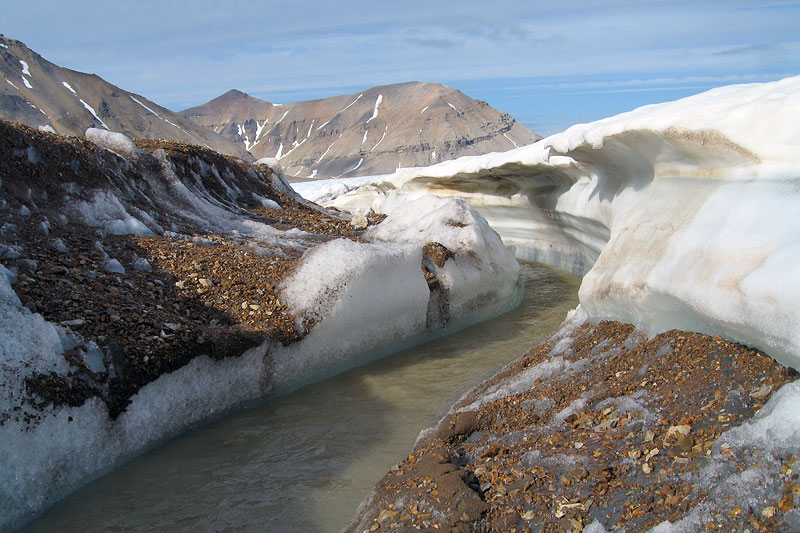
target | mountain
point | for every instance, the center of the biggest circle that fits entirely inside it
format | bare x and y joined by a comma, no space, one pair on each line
372,132
43,95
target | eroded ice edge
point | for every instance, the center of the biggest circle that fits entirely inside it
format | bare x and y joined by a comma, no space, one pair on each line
368,299
677,215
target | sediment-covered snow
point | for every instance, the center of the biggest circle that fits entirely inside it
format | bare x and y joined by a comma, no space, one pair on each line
359,301
773,433
679,215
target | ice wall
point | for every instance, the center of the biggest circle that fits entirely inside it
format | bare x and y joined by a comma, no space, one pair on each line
679,215
357,301
370,299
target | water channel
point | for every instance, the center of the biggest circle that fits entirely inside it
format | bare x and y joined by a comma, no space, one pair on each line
303,462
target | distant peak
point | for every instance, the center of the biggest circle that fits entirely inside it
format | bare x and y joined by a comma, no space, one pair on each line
233,93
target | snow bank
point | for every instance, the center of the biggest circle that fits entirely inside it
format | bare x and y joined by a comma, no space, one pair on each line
116,142
364,300
482,274
679,215
344,288
71,445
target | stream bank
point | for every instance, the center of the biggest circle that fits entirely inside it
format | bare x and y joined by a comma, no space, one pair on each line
303,462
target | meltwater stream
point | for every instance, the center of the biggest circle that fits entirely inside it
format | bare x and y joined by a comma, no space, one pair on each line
303,462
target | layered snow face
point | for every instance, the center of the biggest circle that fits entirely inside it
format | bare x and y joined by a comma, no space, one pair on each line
482,276
70,445
344,288
679,215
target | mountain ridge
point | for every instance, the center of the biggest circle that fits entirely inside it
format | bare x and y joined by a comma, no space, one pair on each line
44,95
413,123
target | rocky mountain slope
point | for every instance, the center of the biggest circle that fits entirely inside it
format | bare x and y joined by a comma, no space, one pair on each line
372,132
43,95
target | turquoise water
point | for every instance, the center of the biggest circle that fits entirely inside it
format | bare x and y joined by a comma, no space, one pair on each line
303,462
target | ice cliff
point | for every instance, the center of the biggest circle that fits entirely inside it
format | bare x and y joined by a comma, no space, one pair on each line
678,215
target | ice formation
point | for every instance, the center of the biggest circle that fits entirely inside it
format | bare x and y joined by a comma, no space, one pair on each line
359,300
679,215
344,287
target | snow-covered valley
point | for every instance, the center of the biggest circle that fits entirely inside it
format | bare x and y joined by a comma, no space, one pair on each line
681,217
114,347
677,216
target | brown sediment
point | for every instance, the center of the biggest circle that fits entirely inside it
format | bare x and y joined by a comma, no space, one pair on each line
202,293
617,436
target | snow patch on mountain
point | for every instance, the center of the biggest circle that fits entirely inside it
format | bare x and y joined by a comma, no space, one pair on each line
511,140
381,139
375,112
283,117
360,162
94,114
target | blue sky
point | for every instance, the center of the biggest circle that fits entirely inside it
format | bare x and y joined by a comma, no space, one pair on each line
549,64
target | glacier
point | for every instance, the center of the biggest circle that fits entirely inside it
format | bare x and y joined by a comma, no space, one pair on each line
677,215
359,300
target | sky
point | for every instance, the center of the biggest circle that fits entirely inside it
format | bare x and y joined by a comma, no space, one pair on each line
549,64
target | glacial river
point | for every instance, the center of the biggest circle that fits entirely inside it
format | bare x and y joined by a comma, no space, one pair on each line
303,462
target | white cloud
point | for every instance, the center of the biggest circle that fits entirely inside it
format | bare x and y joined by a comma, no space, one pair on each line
185,53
